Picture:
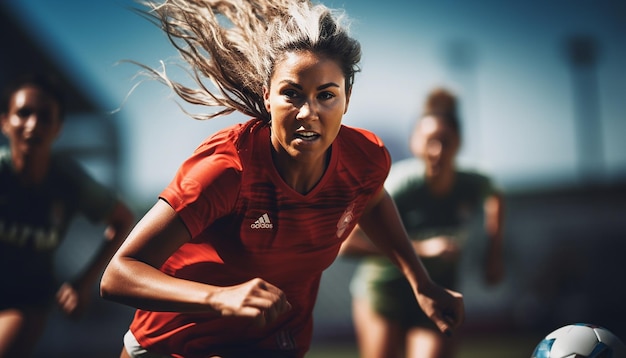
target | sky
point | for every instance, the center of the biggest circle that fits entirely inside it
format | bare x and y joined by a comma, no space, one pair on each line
518,91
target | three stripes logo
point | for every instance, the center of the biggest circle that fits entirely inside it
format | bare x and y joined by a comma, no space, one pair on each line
263,222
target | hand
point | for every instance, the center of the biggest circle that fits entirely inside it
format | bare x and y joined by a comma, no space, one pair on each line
256,299
444,307
72,301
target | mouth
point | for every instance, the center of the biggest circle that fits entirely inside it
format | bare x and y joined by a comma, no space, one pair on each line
32,141
306,135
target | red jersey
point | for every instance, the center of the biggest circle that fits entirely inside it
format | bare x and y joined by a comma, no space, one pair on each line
245,222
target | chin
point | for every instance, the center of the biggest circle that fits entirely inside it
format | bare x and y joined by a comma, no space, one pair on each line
434,171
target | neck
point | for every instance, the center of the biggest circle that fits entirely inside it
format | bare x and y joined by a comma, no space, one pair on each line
31,170
441,184
301,176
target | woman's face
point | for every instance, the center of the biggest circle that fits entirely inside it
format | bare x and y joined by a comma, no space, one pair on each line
306,99
437,144
32,122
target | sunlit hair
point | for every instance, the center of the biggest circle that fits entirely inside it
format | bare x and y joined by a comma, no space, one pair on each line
235,45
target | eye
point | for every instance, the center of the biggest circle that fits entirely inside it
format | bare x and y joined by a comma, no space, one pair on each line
290,93
326,95
23,113
45,118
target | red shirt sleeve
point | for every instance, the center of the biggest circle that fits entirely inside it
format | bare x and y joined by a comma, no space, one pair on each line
207,184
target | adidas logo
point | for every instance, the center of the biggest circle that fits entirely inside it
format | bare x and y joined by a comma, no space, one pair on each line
262,222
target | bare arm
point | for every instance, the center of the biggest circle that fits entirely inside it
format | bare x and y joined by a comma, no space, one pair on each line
358,244
494,227
382,224
133,276
73,297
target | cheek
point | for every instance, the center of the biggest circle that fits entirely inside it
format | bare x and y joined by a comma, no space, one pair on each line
335,113
14,121
417,147
281,115
278,126
337,123
278,107
12,126
450,155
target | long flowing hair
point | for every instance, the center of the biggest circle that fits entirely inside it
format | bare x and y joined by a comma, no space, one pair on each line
232,47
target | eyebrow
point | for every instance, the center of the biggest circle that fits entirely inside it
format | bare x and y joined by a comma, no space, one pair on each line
322,87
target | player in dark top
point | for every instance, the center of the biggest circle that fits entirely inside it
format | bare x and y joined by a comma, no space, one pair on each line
40,193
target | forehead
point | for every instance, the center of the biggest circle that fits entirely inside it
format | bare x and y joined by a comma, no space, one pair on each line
434,125
32,96
307,63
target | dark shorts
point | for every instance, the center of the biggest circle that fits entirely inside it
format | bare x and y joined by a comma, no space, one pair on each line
395,301
394,298
16,295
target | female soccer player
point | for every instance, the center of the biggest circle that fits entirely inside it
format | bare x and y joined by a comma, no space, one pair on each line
228,261
41,191
436,202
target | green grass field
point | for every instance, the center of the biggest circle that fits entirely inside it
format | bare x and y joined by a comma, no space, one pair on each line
494,346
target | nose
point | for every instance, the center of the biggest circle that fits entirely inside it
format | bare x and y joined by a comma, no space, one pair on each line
435,148
308,110
31,123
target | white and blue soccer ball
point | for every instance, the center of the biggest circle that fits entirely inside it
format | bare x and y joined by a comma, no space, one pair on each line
580,340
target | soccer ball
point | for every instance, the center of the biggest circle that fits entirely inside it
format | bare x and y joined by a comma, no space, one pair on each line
580,340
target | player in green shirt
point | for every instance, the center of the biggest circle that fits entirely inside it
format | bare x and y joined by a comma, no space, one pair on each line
436,201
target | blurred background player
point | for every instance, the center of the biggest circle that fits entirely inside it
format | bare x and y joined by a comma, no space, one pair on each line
40,193
436,202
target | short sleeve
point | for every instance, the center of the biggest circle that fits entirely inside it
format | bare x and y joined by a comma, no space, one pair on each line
403,176
93,199
206,185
